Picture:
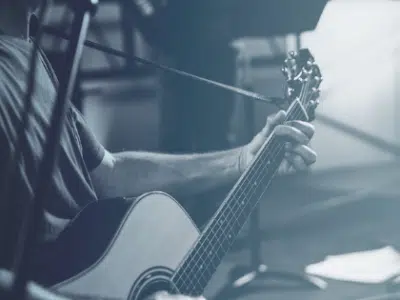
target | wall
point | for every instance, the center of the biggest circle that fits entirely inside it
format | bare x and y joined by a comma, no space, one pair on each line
355,44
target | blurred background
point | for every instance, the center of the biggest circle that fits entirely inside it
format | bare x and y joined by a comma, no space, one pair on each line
349,201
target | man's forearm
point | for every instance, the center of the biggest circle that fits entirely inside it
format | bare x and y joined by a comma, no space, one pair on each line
135,173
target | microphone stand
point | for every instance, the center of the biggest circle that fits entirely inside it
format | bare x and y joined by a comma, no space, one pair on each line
83,11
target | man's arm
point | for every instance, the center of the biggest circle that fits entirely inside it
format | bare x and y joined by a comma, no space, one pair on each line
134,173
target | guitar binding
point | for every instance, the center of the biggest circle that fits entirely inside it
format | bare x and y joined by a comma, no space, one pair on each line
152,281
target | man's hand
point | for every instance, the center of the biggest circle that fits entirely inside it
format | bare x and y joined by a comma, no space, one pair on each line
167,296
298,156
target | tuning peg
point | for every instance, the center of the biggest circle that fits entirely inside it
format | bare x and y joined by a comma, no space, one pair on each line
314,103
315,92
319,79
309,64
290,61
306,71
285,71
290,91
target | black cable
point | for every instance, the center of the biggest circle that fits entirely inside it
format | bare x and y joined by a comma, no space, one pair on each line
251,95
21,140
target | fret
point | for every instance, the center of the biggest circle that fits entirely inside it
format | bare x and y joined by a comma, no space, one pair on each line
220,233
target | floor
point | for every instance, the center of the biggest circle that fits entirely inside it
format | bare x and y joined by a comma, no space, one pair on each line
332,212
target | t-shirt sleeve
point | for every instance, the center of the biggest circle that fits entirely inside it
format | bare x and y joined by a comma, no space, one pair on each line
93,150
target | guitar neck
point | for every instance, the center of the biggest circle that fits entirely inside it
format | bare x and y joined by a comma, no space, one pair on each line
201,262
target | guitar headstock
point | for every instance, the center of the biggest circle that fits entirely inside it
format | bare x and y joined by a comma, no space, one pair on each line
303,78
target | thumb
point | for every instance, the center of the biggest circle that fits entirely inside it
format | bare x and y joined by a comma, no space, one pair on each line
161,295
272,121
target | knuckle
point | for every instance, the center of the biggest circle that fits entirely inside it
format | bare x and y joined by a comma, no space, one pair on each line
281,129
270,120
314,157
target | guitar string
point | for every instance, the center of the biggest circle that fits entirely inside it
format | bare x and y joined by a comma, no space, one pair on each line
215,254
226,243
231,228
241,215
241,208
238,208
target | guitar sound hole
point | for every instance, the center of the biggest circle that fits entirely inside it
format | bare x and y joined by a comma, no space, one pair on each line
150,282
153,287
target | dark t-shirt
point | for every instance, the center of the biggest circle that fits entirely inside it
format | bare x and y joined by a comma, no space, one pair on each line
71,187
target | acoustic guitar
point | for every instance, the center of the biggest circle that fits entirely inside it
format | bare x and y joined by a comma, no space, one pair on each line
123,249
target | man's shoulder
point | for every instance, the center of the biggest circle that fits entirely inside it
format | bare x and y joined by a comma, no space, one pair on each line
14,54
13,65
10,44
14,59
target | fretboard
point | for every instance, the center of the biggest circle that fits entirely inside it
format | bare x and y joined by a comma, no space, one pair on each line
201,262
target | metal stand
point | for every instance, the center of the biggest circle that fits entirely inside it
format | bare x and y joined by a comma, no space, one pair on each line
244,280
83,10
252,279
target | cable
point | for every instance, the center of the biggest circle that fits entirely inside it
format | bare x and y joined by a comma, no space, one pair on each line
252,95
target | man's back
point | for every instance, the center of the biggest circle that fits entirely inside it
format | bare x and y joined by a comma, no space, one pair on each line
71,188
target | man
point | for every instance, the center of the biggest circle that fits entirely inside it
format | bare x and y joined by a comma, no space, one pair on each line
85,171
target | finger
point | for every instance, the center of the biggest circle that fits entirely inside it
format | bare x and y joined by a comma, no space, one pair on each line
286,168
162,295
306,153
272,121
305,127
296,161
292,134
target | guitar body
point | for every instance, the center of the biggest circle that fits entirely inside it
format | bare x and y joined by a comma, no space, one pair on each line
120,249
146,246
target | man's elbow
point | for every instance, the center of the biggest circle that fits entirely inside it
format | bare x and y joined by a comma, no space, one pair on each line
103,176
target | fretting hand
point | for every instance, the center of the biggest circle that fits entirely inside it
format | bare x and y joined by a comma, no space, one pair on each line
298,155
